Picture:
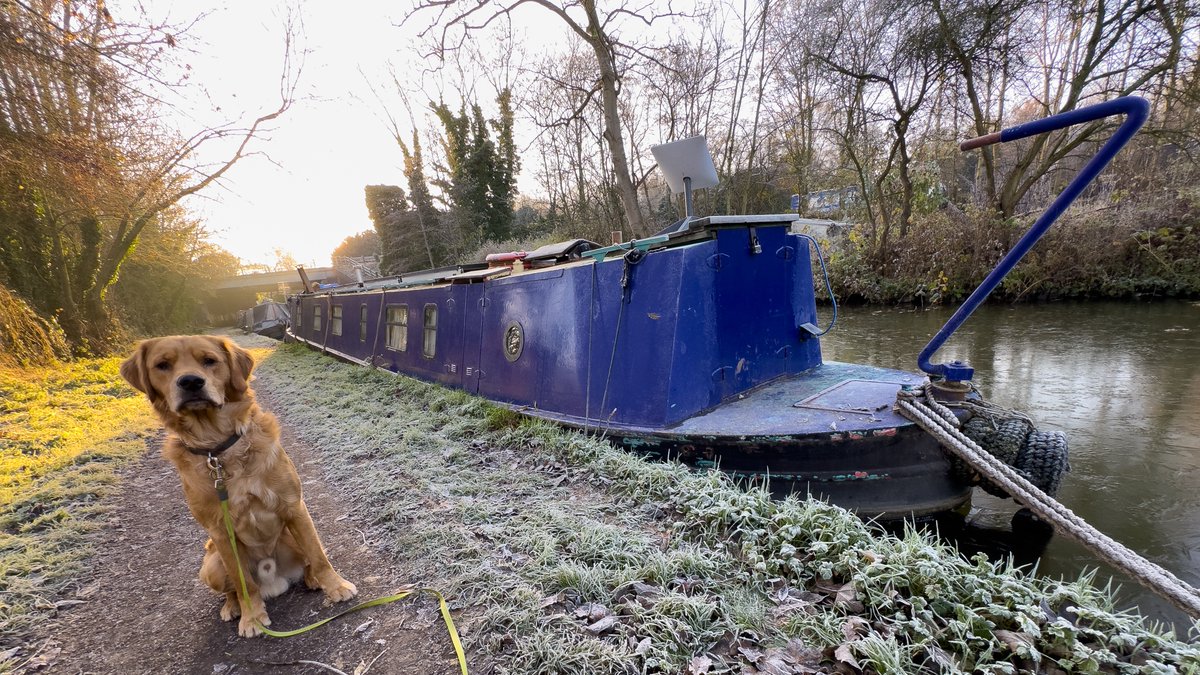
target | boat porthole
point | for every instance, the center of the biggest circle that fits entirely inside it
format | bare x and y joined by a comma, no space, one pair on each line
514,341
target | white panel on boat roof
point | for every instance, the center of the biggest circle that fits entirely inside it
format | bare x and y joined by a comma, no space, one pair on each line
687,158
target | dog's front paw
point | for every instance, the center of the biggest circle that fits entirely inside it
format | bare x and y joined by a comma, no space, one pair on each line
311,580
251,625
338,589
231,610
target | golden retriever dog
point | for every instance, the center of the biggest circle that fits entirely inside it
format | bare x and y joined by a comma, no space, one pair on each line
199,386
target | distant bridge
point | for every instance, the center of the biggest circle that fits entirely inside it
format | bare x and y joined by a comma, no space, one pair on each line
230,294
268,282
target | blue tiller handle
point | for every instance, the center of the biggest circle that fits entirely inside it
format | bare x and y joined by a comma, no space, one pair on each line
1135,109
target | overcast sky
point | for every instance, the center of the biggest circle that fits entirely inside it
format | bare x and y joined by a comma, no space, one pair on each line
306,195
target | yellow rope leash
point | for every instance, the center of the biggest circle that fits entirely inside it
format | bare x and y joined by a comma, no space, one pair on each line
223,495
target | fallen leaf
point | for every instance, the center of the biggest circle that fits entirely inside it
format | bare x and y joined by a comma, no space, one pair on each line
855,628
598,612
635,588
698,666
802,654
750,654
845,595
944,660
551,600
727,644
828,587
603,625
846,655
1015,641
775,665
46,658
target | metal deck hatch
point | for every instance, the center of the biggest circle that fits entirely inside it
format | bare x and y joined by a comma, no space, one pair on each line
864,397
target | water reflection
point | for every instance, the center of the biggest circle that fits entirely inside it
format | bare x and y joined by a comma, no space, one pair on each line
1121,379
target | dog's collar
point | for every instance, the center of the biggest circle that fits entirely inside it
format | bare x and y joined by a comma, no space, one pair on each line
227,444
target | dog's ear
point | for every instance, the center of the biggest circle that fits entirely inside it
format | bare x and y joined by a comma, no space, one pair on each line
240,364
133,369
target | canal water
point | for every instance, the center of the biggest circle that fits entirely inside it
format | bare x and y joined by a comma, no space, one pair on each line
1121,379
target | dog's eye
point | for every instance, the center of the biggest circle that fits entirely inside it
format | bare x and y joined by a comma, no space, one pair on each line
163,365
209,361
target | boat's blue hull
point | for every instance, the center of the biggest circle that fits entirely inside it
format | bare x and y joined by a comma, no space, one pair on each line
695,351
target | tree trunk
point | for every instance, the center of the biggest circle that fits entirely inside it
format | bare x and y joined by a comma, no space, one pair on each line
605,61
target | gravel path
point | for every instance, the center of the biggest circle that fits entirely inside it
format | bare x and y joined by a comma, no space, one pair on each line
143,610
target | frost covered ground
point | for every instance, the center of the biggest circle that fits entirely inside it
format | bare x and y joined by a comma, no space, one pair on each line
569,556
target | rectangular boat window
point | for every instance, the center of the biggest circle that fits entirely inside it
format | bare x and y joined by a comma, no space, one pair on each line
335,320
397,327
316,318
362,323
430,347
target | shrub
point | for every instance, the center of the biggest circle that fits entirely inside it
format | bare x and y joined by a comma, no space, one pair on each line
27,339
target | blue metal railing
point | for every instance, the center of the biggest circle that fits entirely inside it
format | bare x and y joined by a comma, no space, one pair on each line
1135,109
828,286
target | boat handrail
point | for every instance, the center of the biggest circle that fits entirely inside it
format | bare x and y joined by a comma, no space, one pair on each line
811,329
598,254
1135,109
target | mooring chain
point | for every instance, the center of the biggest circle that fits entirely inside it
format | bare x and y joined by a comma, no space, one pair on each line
919,406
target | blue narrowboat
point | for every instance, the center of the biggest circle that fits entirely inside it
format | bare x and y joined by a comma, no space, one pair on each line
698,345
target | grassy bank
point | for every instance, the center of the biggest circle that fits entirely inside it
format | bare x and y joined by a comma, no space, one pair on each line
569,556
1117,250
64,433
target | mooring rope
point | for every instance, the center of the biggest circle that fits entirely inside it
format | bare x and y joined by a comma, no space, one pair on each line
939,421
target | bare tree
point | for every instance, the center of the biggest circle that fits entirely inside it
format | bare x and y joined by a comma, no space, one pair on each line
1083,50
884,49
95,165
454,20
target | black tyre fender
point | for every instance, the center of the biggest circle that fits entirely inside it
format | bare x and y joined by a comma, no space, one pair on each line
1043,460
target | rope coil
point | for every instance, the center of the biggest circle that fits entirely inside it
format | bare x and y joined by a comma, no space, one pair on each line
939,421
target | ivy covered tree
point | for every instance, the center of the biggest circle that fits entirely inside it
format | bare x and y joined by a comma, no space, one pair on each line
504,183
480,172
387,207
427,218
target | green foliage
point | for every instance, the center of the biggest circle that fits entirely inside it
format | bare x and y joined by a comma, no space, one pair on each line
500,418
162,289
427,220
404,245
90,177
27,339
480,172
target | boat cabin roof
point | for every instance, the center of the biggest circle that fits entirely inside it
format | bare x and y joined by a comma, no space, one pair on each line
563,252
712,222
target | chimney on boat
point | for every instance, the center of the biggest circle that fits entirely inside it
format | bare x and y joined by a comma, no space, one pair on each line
304,278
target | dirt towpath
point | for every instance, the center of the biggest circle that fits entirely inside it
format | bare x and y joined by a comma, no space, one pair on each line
143,609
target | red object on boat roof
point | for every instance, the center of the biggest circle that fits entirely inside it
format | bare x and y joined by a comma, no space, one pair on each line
506,257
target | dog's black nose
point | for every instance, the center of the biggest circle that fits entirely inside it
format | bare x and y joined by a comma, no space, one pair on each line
190,382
